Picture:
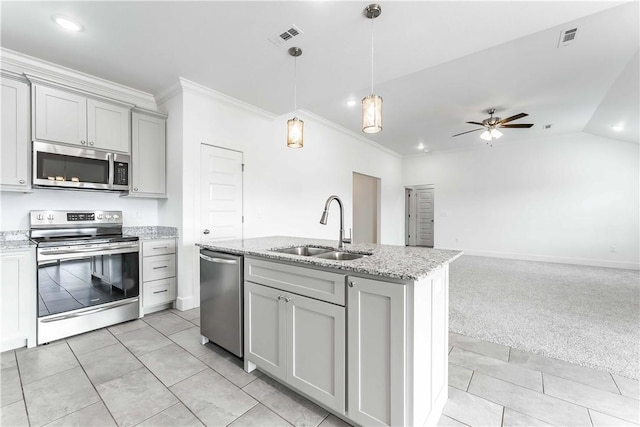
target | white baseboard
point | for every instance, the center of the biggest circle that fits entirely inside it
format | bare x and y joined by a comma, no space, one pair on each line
554,259
184,304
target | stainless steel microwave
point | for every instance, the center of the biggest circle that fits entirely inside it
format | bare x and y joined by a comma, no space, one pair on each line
61,166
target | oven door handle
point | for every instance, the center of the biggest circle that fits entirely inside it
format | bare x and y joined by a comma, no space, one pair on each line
87,312
83,250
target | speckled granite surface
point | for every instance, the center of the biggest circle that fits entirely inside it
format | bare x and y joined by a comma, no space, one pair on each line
397,262
18,239
151,233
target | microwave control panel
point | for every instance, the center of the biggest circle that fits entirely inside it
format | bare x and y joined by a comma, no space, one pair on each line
121,173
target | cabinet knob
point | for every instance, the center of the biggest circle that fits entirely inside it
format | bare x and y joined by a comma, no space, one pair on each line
279,297
21,181
83,142
206,231
351,284
287,299
135,189
91,143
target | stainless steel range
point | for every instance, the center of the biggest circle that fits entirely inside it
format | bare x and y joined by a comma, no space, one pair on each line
88,272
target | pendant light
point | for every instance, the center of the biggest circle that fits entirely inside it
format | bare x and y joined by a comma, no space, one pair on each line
372,104
295,126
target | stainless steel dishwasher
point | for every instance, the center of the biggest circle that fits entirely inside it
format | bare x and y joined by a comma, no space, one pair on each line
221,300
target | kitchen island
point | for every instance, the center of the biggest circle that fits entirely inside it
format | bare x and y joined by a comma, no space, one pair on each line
366,338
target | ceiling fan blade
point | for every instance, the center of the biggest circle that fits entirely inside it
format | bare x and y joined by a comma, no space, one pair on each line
516,117
469,131
475,123
518,125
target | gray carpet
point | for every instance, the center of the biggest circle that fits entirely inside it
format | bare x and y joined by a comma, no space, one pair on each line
584,315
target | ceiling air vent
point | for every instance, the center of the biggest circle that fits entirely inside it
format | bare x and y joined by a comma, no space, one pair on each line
567,36
285,36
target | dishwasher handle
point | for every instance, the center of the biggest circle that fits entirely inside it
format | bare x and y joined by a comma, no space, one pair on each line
219,260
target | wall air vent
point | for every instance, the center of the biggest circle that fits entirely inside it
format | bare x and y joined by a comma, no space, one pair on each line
567,37
285,36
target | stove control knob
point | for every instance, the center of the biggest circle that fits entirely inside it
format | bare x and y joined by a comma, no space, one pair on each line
50,217
107,216
100,216
40,217
116,216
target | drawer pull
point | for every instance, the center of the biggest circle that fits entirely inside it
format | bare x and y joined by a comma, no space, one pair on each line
159,292
162,266
161,247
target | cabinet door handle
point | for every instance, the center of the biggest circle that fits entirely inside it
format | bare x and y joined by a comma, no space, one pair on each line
21,181
351,283
159,292
157,268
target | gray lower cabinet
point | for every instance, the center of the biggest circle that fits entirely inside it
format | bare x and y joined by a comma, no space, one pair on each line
16,141
158,274
376,338
294,338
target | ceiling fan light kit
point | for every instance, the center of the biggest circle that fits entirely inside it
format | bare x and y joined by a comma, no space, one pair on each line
295,126
372,104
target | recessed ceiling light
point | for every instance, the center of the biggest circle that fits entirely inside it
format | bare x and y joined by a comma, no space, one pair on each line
421,146
618,128
67,23
351,102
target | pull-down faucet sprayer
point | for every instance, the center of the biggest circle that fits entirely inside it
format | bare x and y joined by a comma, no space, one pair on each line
323,220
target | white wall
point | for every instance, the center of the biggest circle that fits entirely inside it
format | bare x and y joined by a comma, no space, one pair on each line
284,189
563,199
15,207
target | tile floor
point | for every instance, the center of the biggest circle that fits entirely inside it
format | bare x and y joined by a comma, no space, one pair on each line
154,372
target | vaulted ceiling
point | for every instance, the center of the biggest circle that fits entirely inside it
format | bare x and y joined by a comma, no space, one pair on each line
438,64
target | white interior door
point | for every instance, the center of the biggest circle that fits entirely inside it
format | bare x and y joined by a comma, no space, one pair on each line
424,216
221,193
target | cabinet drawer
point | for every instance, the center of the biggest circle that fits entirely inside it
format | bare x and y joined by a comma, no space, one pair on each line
158,267
318,284
158,292
158,247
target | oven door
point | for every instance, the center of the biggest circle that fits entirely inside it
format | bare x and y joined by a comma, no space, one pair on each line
86,287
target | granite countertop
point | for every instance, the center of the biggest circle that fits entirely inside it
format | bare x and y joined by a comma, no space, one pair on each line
397,262
18,239
151,233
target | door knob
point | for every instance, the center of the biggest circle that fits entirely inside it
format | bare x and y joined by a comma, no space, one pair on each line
206,231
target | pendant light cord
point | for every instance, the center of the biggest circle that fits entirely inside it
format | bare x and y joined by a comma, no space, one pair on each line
295,85
372,19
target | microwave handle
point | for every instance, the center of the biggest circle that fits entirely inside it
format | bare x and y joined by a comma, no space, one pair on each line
112,170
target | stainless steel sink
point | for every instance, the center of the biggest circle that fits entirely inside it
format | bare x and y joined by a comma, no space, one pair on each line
303,250
340,256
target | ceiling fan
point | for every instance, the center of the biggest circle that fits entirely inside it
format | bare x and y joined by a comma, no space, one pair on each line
491,125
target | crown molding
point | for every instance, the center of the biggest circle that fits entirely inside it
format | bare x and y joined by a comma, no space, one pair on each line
20,63
188,85
350,133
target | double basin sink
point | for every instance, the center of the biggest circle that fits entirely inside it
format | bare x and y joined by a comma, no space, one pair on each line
317,252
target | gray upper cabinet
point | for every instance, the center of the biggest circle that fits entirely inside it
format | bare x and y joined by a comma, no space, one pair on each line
16,141
71,118
148,155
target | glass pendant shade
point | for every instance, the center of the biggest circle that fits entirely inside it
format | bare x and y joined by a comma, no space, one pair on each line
496,133
295,133
486,135
371,114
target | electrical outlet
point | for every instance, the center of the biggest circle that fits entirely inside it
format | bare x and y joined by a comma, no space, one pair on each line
457,240
612,249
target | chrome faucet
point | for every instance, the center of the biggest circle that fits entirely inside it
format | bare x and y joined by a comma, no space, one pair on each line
325,214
